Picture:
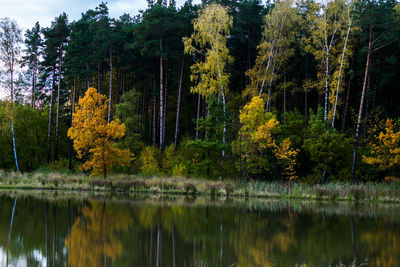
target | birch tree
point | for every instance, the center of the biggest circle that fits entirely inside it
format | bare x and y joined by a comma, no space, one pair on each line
274,50
10,48
324,43
211,32
338,83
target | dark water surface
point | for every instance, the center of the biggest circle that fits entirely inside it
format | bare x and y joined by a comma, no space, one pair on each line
57,229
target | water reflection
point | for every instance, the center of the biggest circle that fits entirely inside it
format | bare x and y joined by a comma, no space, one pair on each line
93,239
121,231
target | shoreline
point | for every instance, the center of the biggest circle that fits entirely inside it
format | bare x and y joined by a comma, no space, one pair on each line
384,192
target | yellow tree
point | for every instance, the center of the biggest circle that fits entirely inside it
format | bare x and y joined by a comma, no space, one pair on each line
94,137
385,153
211,31
256,140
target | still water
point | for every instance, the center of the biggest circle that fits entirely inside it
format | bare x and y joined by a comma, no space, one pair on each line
57,229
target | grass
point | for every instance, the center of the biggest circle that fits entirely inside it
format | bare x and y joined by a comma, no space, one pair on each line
363,192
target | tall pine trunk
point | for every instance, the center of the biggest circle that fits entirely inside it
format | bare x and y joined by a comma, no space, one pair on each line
198,116
50,117
178,105
72,111
346,105
58,106
110,91
164,127
161,98
353,168
33,86
284,88
154,121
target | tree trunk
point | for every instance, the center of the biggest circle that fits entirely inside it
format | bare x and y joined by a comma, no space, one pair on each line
341,68
154,120
12,117
72,111
346,105
161,98
353,169
33,87
178,105
50,117
197,116
98,76
326,100
110,92
165,101
58,106
270,89
87,75
284,88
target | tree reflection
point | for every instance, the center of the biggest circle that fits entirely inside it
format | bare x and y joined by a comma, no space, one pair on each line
95,235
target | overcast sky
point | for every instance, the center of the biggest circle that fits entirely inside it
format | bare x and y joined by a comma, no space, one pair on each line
27,12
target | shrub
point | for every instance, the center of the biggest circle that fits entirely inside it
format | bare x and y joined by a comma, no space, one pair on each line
168,159
150,158
179,170
61,164
190,188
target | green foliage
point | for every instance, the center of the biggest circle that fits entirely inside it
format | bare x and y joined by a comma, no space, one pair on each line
168,159
291,126
126,112
327,150
30,137
179,170
150,159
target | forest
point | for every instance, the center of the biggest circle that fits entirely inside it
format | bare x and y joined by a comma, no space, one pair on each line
277,91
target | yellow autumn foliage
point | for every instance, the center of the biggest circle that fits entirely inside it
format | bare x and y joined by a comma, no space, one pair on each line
257,135
385,153
211,32
94,136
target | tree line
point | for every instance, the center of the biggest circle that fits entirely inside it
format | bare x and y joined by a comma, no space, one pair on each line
284,90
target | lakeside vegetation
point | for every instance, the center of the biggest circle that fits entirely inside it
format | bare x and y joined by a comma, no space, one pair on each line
364,192
300,92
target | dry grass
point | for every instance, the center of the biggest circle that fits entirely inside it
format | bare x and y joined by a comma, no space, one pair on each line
366,192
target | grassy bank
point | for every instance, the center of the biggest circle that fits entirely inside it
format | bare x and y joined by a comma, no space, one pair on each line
368,192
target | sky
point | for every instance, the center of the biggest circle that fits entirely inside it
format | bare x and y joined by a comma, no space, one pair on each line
27,12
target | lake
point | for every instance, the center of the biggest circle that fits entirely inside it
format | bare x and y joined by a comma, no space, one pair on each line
84,229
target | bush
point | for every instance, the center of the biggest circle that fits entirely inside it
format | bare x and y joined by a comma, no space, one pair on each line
168,159
190,188
61,164
149,159
179,170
